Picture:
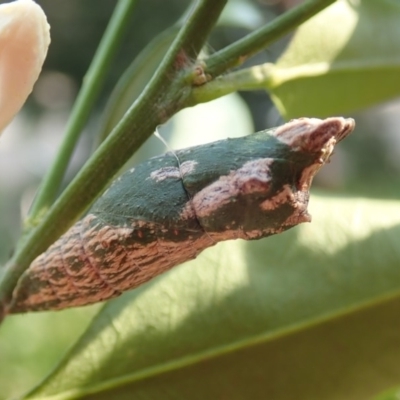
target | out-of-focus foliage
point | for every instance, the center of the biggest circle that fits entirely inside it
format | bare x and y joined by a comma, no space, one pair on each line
30,345
344,59
246,319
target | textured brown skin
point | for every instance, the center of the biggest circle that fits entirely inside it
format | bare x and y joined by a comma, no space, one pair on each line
123,242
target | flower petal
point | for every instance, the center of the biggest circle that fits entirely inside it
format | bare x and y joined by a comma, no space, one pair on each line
24,40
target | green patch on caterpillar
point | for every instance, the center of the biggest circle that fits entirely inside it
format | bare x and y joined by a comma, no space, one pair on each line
170,208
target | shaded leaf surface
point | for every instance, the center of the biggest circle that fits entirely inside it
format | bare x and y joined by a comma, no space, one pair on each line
134,80
32,344
284,317
345,58
392,394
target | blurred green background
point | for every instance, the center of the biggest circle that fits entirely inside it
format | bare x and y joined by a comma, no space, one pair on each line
366,164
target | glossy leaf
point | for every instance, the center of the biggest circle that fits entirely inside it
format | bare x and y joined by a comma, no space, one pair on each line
31,344
345,58
134,80
393,394
283,318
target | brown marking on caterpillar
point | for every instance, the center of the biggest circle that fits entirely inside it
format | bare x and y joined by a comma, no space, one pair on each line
54,285
115,259
256,234
75,261
308,173
163,173
66,284
120,268
298,217
310,134
286,195
95,286
233,234
106,238
298,200
307,176
253,177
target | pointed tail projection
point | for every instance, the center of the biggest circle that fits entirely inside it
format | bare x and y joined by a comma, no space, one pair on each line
170,208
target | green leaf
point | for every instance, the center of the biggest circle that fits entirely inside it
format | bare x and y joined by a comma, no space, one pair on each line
345,58
289,317
134,80
31,344
393,394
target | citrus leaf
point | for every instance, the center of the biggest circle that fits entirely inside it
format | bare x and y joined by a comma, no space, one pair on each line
283,318
345,58
134,80
393,394
25,361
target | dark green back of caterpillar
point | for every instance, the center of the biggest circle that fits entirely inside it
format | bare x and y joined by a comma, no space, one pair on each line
168,209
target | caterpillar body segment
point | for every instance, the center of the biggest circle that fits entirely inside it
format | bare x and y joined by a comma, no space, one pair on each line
168,209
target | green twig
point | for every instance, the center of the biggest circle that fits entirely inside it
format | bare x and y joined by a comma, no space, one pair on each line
253,78
91,87
235,54
162,97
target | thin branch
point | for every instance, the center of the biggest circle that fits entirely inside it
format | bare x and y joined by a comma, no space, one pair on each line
235,54
88,94
252,78
163,96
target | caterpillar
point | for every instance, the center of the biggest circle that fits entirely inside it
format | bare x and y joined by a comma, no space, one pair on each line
168,209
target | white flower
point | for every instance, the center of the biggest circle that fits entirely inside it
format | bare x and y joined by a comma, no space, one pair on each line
24,40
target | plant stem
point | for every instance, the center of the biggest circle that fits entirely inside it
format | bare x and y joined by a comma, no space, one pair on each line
235,54
88,94
253,78
163,96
